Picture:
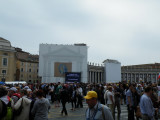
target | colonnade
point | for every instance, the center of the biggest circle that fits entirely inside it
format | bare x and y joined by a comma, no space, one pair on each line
137,77
96,77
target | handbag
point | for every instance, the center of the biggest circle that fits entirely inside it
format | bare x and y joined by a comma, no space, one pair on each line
19,110
138,112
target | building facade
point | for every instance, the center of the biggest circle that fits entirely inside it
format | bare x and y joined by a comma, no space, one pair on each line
7,61
112,71
55,60
141,73
27,67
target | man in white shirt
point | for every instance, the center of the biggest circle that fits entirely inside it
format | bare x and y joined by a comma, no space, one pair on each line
79,96
111,101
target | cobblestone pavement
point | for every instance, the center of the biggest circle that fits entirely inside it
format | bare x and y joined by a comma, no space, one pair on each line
78,114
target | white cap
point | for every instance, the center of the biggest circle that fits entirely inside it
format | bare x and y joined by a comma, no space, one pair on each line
13,89
26,87
29,90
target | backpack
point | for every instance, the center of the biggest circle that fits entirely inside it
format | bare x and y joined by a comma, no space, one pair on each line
19,110
102,112
4,109
7,110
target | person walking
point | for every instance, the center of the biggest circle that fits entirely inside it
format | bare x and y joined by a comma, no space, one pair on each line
79,96
95,110
41,107
74,98
64,97
146,105
117,97
111,101
130,102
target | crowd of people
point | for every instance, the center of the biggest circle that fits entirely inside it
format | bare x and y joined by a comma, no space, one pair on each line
33,101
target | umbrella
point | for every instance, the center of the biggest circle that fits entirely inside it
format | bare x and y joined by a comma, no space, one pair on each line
2,83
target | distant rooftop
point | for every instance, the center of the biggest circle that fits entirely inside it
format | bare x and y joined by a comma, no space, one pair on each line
80,44
150,64
4,42
110,61
76,44
25,56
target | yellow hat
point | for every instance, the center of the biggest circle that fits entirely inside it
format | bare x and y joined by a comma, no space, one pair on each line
91,94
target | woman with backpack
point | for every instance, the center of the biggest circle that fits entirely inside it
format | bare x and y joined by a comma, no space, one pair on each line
22,107
5,105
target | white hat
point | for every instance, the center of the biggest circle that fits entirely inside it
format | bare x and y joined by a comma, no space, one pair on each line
26,87
13,89
29,90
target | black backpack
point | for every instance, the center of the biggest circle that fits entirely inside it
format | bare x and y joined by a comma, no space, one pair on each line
4,110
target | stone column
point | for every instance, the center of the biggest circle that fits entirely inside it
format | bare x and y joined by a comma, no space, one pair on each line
102,79
89,78
92,76
96,76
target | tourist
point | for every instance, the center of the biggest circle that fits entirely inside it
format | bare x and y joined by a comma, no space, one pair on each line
111,101
41,107
64,97
95,110
146,105
25,103
130,102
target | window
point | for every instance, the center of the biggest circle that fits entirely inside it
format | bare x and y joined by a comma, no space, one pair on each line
21,76
6,54
37,70
30,70
4,71
29,76
22,63
4,61
21,69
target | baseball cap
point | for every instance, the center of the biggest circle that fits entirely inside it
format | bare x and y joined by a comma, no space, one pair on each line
16,94
26,87
13,89
91,94
29,90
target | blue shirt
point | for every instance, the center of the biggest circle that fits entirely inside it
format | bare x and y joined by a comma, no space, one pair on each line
129,94
146,106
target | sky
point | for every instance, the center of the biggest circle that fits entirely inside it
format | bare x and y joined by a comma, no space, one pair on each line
124,30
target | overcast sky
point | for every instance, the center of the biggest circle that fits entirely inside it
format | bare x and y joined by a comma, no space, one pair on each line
128,31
